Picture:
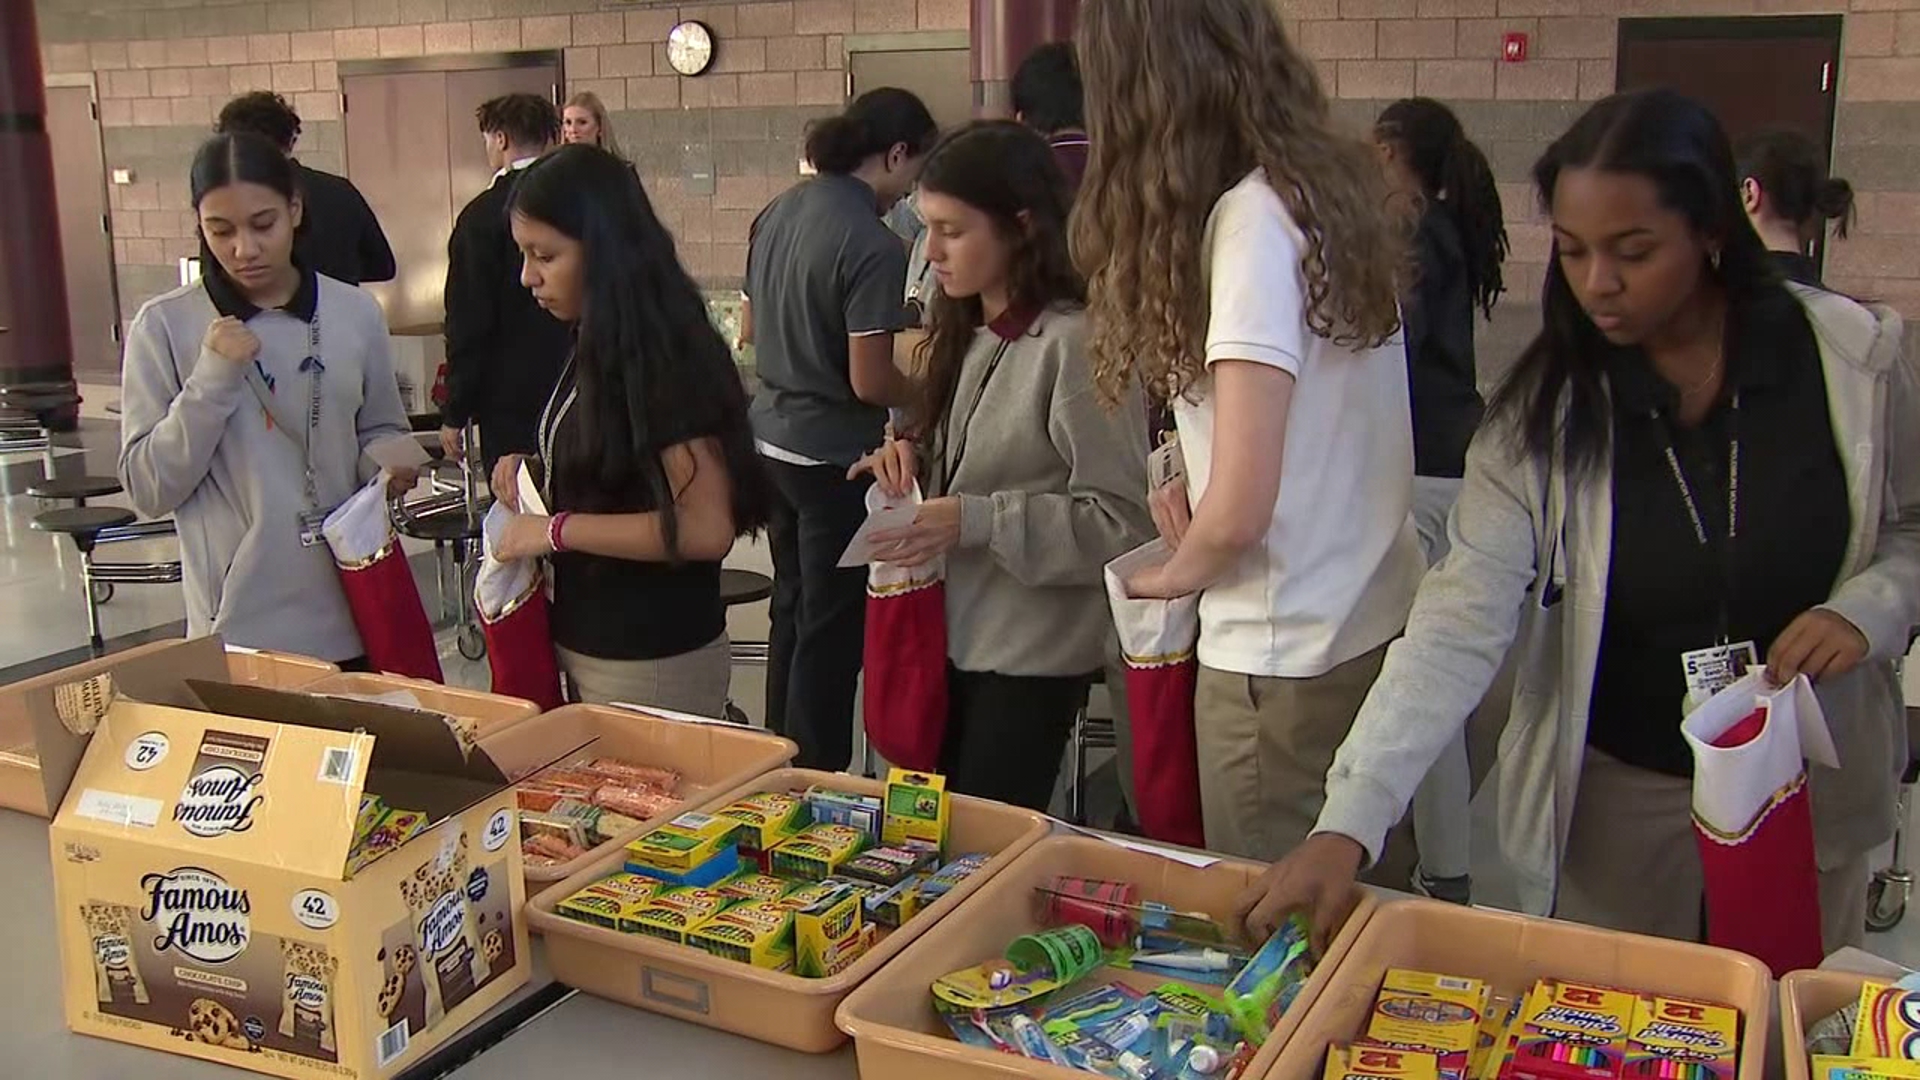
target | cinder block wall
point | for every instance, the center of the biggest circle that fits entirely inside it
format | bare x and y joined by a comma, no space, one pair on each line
163,73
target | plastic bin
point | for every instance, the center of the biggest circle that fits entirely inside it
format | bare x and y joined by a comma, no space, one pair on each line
276,670
773,1007
894,1028
1512,952
710,758
1806,998
485,713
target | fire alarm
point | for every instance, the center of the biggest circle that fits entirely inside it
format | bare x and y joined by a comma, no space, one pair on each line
1513,48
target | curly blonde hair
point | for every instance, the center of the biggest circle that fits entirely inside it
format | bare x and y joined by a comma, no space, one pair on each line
1184,99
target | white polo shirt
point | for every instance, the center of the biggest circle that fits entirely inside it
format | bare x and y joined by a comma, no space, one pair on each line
1341,560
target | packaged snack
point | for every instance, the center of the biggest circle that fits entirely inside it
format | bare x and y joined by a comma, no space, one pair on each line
888,866
1379,1063
1569,1031
675,913
556,823
640,804
1677,1039
817,852
687,841
371,807
751,886
611,825
642,776
861,812
1262,991
765,819
828,935
549,850
1889,1024
1826,1067
533,795
1440,1014
896,905
394,828
917,808
759,933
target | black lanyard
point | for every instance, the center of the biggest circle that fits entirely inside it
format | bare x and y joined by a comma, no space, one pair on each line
959,451
1723,551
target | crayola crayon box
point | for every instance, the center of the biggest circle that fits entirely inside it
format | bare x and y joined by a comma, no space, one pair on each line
1677,1039
1859,1068
1887,1027
1359,1062
1439,1014
1571,1031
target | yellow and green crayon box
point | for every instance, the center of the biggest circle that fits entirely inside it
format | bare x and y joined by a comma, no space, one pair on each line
828,935
1678,1039
917,808
759,933
683,843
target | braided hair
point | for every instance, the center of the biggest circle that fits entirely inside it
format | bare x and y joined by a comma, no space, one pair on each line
1454,176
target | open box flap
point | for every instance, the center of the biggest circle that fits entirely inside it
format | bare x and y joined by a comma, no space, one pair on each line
152,673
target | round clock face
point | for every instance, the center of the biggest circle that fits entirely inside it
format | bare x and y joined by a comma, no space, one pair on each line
690,48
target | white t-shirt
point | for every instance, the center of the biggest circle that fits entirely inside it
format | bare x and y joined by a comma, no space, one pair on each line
1341,560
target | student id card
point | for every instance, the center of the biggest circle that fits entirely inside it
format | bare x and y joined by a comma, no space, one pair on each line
311,522
1712,670
1165,464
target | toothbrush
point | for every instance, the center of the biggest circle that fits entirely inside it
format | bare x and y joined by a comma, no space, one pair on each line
1193,960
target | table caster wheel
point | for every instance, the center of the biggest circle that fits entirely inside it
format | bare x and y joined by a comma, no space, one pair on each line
1886,905
102,591
472,643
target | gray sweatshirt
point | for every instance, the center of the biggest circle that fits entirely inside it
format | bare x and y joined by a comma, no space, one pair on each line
195,442
1052,486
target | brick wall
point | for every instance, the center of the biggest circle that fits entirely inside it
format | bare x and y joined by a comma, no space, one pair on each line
163,73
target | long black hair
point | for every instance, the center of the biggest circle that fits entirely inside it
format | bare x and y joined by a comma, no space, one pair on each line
239,157
651,369
1004,170
1455,178
1675,142
1789,168
875,123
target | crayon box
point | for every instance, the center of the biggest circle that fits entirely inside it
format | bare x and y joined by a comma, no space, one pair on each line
1360,1062
917,806
1677,1039
828,935
1570,1031
1439,1014
1859,1068
1889,1024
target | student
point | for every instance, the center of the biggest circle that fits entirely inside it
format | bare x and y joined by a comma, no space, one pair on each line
248,398
1240,266
646,459
1441,179
1047,97
1033,487
1790,199
584,120
824,283
342,239
503,350
1592,537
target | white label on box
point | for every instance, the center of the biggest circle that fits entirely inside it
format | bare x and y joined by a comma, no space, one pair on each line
391,1044
316,910
118,809
147,751
499,827
336,765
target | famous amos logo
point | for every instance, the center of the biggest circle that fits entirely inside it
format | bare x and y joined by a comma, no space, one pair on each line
224,790
196,913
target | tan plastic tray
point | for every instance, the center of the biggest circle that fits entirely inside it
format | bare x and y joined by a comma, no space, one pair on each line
777,1008
277,670
1512,952
710,758
1806,998
894,1028
488,712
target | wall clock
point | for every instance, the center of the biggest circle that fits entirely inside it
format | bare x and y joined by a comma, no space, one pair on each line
690,47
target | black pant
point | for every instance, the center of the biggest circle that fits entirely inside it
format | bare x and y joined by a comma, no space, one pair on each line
1005,733
819,611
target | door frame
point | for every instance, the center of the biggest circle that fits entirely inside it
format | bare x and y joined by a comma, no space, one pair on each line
88,81
903,41
1738,27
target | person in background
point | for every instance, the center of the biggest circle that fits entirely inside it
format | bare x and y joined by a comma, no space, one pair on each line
1679,394
249,397
1047,97
1239,265
646,458
343,239
584,120
824,283
1791,200
1440,179
1033,486
504,351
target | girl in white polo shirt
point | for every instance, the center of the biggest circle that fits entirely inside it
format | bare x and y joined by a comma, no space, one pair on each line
1240,265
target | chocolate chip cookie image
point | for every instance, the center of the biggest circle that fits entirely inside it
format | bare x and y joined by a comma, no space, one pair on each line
212,1023
493,947
390,993
403,961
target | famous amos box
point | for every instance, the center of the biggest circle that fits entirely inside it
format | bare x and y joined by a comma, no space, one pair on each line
201,878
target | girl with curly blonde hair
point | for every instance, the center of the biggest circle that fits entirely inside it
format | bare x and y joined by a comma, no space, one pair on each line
1241,265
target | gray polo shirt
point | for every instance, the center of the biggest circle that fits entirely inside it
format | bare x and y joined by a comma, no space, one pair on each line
821,267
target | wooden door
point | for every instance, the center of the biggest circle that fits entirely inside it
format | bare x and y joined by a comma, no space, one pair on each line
939,76
86,244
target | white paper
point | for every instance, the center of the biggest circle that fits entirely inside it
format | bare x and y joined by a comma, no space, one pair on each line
883,514
397,453
669,714
1196,859
529,492
117,809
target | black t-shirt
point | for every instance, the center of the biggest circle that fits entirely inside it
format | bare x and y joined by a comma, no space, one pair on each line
621,609
1440,367
1664,590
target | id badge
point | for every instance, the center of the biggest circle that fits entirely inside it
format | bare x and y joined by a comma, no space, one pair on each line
311,522
1712,670
1166,464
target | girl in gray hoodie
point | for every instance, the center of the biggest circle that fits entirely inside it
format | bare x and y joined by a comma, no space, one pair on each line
1032,485
248,397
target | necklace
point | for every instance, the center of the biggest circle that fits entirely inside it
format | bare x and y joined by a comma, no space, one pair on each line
1705,381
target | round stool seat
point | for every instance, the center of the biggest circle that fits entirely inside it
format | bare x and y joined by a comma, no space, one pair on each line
83,522
75,487
744,587
440,528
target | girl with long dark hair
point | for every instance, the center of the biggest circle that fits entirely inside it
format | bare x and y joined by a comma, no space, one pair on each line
1791,199
646,459
1690,455
248,398
1032,486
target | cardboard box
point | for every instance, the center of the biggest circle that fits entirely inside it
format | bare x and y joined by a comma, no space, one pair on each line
199,872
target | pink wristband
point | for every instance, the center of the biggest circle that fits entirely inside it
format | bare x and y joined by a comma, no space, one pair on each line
555,525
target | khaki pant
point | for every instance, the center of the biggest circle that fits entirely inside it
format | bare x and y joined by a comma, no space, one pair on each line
694,682
1265,745
1632,864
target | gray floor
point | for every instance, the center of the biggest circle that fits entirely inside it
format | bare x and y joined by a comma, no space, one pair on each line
45,613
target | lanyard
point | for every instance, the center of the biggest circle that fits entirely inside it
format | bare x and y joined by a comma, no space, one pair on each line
1700,533
550,422
959,451
263,389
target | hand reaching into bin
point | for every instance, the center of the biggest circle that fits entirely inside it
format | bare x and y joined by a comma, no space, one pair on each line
1316,877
